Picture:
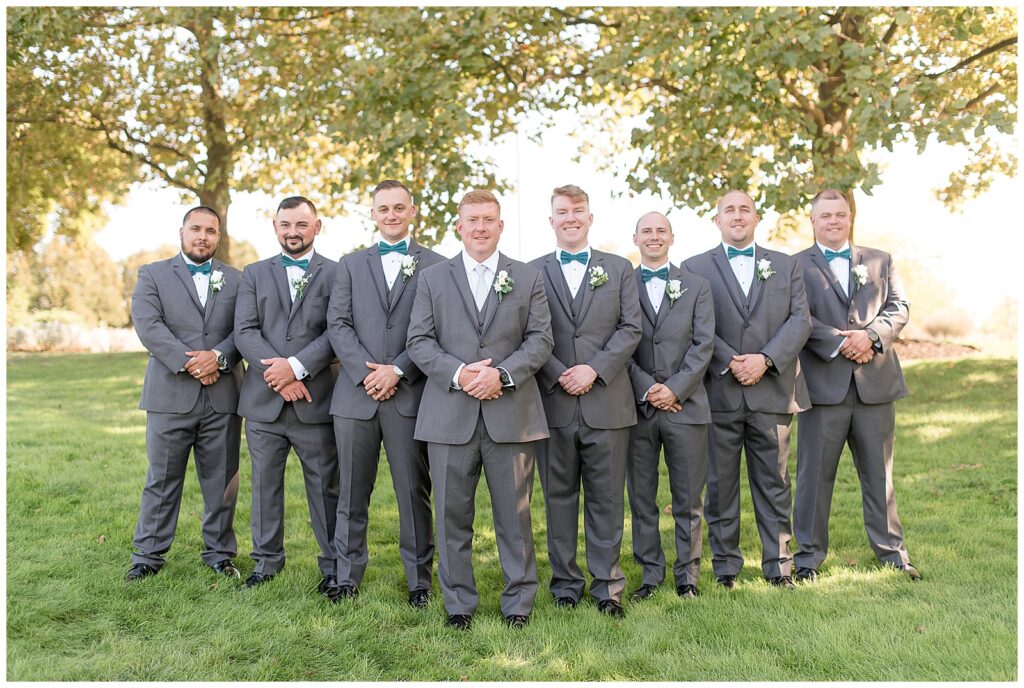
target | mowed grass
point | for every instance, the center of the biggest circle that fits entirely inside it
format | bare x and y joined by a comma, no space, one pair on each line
76,463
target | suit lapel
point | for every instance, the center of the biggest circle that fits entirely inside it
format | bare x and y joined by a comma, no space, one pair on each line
666,305
818,258
491,305
588,295
554,274
729,279
377,275
400,281
645,300
315,263
457,270
181,270
279,275
211,298
756,284
856,258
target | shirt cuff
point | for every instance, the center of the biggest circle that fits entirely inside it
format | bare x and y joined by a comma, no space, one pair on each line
455,377
836,352
398,371
297,368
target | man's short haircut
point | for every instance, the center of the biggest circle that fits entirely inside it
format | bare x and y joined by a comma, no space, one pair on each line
718,206
479,197
652,212
572,192
829,195
295,202
201,209
390,184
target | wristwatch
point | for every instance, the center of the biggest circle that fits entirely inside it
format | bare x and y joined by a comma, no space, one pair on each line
397,371
506,379
222,361
768,361
872,335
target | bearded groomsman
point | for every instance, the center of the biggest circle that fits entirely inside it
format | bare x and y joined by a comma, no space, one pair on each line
183,310
588,400
480,331
754,386
281,329
858,309
378,394
667,372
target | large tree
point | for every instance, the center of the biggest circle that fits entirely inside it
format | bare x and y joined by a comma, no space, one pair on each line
321,101
784,100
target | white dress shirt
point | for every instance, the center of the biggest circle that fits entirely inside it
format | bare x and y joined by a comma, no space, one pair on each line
490,267
655,286
294,272
840,267
742,267
201,280
574,272
392,262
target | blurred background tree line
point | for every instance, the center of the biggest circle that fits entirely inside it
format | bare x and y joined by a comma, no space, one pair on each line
326,101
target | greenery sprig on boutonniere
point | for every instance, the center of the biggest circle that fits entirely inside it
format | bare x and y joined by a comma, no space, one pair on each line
503,284
408,267
673,291
300,284
597,277
764,269
860,275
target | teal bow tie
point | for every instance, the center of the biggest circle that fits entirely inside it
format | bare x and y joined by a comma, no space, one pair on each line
288,262
385,248
567,257
660,273
733,252
830,254
204,268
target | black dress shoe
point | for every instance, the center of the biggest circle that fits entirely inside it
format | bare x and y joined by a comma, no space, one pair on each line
419,599
643,592
138,572
258,579
805,574
782,582
516,620
342,592
914,574
727,582
611,608
565,602
459,621
687,591
326,585
226,567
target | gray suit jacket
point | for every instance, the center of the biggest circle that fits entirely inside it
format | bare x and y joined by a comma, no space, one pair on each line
364,324
772,319
879,303
169,319
676,347
269,325
446,330
603,335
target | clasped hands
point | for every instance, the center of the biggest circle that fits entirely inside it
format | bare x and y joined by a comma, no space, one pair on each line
748,369
480,381
857,346
578,379
660,396
203,366
280,377
380,383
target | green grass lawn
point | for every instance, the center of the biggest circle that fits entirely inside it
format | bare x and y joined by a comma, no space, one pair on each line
75,467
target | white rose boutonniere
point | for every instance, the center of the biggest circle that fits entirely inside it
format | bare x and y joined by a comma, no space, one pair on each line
860,275
673,291
503,284
216,280
597,277
764,269
408,267
300,284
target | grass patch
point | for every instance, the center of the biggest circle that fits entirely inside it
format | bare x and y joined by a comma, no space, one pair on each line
76,463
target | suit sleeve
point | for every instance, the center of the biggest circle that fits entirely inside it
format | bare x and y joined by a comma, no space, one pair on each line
895,313
640,379
784,346
248,334
619,348
422,345
685,381
535,349
148,318
227,345
341,330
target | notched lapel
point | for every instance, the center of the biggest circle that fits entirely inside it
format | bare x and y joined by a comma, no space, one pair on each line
377,276
279,275
818,258
732,286
310,274
457,272
757,285
666,304
211,296
645,300
553,272
588,295
492,304
401,280
181,270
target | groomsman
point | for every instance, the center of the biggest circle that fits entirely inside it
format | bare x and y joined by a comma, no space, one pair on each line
667,372
588,400
480,331
858,308
378,394
183,310
754,386
281,329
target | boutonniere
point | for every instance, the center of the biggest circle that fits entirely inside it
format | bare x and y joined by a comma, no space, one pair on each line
408,267
216,280
673,291
503,284
860,275
597,277
300,284
764,269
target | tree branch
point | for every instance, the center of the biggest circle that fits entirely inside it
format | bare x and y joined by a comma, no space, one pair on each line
995,47
891,31
576,20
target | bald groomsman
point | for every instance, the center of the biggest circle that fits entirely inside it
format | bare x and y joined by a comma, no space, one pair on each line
858,309
378,394
667,372
183,310
281,329
754,386
588,400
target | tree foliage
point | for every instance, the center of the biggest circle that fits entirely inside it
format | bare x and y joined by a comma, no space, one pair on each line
786,100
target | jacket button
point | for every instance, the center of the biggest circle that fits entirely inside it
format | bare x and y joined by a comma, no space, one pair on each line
851,321
390,326
746,325
657,341
288,338
576,336
206,334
